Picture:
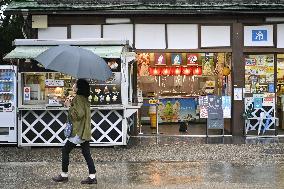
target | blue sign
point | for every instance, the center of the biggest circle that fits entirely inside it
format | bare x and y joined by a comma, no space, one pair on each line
257,102
176,59
259,35
271,88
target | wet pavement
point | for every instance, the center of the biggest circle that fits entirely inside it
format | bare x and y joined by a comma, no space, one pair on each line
154,162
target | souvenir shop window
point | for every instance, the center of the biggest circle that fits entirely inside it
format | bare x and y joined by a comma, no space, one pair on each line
184,73
259,73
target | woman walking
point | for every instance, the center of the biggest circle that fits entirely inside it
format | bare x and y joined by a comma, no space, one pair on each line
80,116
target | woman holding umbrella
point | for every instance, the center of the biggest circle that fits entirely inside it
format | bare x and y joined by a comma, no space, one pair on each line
80,116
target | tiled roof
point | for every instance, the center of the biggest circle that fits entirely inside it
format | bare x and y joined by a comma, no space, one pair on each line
148,5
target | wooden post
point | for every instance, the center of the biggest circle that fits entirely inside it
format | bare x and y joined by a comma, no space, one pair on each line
238,70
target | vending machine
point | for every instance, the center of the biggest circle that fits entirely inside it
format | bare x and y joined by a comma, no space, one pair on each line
8,104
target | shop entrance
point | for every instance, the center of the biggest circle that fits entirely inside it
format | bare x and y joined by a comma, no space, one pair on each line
263,101
172,85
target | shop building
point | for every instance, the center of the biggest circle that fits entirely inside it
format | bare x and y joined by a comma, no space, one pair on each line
189,54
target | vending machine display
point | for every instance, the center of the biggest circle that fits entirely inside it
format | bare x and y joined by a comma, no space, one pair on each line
8,104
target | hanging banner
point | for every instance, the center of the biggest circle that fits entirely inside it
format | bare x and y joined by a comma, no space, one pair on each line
215,113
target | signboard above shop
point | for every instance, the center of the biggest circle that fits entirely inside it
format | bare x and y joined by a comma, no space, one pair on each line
258,35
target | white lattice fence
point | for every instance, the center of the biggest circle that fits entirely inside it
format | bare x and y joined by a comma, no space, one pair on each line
45,127
256,122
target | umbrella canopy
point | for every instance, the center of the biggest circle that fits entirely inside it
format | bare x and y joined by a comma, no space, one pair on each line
75,61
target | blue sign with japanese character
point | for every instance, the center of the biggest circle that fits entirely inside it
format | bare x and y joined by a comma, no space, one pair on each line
259,35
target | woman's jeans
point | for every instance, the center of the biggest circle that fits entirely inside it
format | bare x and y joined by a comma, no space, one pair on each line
85,146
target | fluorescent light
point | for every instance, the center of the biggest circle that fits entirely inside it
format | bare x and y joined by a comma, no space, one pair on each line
117,20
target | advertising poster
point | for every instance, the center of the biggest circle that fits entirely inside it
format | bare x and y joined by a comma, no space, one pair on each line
177,109
226,105
215,113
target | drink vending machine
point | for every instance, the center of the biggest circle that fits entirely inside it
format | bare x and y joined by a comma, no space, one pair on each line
8,104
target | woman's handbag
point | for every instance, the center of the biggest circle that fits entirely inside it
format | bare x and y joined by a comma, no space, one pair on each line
68,129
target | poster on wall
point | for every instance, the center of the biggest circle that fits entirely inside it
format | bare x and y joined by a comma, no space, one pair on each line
207,64
143,64
215,113
177,109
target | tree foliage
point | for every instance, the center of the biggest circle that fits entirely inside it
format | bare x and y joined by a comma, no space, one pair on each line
10,29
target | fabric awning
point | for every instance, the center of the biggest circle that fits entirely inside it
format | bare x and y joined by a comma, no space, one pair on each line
30,52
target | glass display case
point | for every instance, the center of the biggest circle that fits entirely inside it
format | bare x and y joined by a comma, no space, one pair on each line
106,93
49,89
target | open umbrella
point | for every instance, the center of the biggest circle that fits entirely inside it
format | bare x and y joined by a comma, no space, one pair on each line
76,62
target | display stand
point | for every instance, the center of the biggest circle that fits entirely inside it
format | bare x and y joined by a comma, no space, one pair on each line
215,119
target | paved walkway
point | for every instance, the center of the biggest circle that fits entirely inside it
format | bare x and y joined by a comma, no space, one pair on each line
154,162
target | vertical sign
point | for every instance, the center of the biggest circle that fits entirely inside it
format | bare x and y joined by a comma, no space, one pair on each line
215,113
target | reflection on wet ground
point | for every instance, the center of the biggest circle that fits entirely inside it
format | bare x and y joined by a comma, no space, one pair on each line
146,175
154,162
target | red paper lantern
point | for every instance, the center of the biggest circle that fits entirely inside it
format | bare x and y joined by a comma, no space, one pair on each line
186,71
166,71
197,71
176,71
156,71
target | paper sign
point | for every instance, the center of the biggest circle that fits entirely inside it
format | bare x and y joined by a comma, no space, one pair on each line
203,104
226,105
27,93
238,93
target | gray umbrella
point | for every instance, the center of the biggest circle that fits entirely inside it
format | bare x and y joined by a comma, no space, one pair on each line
76,62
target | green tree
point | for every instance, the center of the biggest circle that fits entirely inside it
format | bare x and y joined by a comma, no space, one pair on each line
10,29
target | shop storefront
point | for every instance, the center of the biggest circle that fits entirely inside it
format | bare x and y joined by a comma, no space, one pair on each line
41,95
176,87
218,67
